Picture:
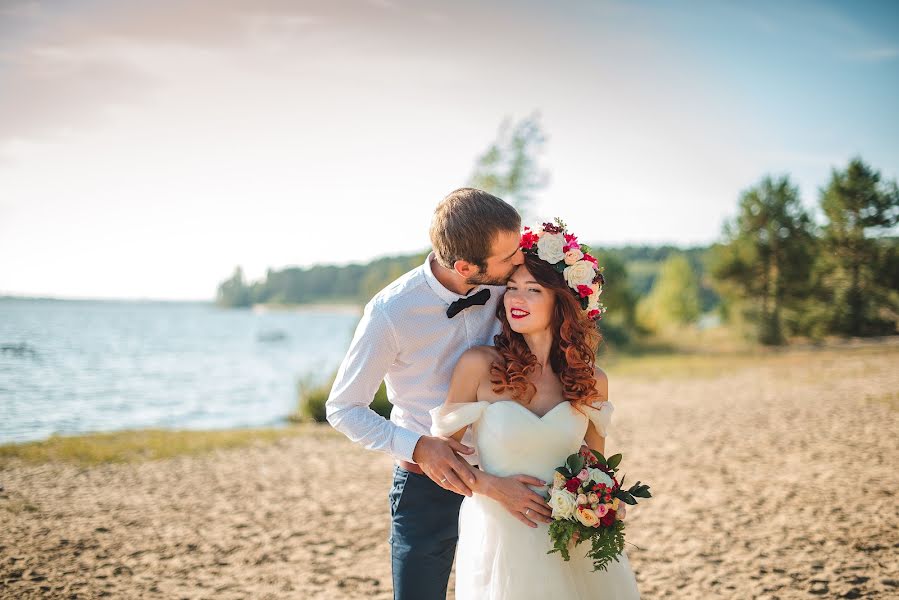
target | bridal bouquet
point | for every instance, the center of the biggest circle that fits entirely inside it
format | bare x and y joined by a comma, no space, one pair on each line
588,503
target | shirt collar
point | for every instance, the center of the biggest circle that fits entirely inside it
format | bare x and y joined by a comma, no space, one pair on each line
444,294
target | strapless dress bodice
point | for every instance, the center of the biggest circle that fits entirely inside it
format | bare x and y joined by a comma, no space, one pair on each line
511,439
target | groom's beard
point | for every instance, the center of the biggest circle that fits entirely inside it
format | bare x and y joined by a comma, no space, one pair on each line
481,278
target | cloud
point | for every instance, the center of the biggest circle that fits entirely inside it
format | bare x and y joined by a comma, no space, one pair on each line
46,89
875,54
63,65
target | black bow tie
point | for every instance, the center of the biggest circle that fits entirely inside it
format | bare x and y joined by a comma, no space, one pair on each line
461,304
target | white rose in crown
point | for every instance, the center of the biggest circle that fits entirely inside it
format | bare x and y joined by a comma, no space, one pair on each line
549,247
573,255
580,273
598,476
563,504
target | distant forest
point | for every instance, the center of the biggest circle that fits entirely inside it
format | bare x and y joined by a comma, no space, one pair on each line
357,283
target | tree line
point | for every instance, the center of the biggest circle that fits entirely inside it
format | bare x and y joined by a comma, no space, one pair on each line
350,284
775,273
786,275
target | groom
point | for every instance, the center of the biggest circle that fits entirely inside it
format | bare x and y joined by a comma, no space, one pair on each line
411,335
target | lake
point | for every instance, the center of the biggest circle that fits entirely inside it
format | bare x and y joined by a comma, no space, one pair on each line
71,366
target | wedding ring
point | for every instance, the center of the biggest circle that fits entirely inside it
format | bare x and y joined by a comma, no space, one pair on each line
443,480
526,512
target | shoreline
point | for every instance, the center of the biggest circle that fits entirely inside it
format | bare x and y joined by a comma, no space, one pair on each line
622,368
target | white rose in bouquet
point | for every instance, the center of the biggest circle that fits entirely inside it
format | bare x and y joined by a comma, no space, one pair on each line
598,476
563,504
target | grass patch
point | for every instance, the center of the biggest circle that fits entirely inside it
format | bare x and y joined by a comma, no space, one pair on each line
675,366
145,444
890,399
17,504
689,364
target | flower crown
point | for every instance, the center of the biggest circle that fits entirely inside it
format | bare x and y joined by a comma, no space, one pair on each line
551,243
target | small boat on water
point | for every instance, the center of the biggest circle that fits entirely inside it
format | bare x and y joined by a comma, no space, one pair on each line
21,349
274,335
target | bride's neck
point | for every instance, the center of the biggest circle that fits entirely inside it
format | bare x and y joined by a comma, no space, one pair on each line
540,343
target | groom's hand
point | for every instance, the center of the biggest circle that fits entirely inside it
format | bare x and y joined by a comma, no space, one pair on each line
437,458
522,502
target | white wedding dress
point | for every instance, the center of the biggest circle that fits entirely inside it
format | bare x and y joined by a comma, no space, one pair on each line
498,557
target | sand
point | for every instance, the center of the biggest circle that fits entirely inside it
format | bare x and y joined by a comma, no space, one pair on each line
775,481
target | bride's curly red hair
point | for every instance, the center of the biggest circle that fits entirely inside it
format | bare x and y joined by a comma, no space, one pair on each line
573,352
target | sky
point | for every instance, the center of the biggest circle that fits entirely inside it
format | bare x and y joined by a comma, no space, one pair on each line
148,148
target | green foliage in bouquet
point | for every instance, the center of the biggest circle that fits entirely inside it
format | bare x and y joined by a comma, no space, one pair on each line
607,545
606,541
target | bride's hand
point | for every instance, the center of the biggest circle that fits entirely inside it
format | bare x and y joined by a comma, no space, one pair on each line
521,501
437,458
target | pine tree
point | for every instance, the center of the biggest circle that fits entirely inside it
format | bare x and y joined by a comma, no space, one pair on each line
764,262
857,268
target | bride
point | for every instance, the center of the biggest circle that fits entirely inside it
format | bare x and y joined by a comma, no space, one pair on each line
532,400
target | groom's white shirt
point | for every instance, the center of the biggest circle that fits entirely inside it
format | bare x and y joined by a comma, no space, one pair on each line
406,339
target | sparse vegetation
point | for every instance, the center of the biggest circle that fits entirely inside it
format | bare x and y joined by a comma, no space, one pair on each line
312,398
141,445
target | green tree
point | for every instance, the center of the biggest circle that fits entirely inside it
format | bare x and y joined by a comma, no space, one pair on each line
233,292
764,262
508,168
618,324
674,298
857,268
383,271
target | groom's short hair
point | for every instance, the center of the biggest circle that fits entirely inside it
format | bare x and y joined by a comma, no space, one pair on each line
465,224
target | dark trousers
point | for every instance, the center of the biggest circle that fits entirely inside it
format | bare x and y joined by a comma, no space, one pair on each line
423,535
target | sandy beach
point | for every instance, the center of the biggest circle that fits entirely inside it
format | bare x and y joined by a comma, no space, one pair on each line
771,479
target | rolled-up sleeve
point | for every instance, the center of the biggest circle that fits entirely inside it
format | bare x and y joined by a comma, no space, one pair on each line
348,409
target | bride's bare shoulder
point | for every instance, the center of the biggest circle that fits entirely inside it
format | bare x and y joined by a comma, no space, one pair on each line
481,354
478,358
470,372
602,383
